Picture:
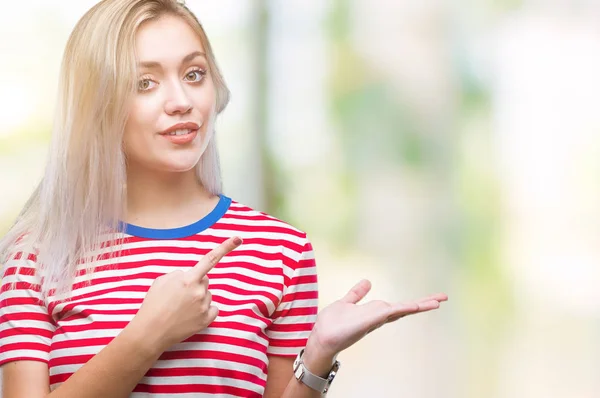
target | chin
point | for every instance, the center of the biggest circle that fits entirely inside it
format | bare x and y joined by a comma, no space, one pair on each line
179,167
176,164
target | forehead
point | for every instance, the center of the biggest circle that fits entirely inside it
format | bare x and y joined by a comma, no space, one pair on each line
167,38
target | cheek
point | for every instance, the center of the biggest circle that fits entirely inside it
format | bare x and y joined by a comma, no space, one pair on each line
137,123
139,119
205,99
136,114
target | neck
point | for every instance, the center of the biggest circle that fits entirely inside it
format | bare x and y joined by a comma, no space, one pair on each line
166,200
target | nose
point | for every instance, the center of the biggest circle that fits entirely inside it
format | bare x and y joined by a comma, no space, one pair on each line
177,101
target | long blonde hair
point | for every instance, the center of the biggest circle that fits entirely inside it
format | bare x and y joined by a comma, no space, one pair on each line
78,204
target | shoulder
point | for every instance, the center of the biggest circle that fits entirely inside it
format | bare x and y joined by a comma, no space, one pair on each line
19,269
263,232
19,253
246,215
258,224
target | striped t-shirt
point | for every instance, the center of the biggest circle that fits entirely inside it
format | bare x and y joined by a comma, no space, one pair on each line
266,292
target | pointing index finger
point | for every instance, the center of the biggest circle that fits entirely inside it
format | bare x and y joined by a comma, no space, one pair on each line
213,257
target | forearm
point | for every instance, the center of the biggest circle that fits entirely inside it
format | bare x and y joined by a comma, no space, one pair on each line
115,370
317,365
296,389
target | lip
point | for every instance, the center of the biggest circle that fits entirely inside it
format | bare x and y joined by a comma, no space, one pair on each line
181,126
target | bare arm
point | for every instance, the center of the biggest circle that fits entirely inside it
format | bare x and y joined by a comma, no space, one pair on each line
282,383
179,302
338,326
124,362
25,378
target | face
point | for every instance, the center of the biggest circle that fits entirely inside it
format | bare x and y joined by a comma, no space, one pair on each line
171,117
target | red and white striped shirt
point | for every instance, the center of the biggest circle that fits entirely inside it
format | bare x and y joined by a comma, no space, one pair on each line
266,292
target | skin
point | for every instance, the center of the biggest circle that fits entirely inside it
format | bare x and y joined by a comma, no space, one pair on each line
175,86
163,192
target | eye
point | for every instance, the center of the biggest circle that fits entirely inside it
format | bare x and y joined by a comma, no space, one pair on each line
195,75
145,84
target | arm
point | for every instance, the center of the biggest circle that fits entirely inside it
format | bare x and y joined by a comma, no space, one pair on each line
338,326
281,382
179,302
25,378
124,362
293,320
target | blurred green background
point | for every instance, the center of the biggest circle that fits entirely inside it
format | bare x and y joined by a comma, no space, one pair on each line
426,145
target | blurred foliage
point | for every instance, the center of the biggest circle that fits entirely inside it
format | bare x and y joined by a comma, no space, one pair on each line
374,128
485,291
371,120
451,162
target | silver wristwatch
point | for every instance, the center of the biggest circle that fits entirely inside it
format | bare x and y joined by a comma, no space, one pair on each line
313,381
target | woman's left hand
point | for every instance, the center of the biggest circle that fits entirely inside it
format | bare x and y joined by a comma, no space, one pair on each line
344,322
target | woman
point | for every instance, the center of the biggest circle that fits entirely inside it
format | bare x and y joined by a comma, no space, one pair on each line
105,291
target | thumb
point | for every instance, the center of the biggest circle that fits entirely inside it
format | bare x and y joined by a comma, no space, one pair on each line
357,293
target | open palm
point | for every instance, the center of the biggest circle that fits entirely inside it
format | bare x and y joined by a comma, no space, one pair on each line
344,322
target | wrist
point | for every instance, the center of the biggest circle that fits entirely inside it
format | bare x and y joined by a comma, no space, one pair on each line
318,362
147,339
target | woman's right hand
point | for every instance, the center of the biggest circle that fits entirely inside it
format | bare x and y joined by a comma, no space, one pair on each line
178,304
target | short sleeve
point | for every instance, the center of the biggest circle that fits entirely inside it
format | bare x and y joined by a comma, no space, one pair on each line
296,313
26,328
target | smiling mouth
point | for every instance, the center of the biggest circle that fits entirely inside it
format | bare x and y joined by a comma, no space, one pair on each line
180,132
181,129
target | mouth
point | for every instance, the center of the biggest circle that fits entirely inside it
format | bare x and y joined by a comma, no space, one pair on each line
181,133
181,129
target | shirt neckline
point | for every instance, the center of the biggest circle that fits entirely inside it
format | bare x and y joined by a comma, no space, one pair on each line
181,232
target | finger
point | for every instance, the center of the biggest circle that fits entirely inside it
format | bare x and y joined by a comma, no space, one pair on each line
213,257
421,307
376,314
429,305
399,310
439,297
212,314
357,292
204,282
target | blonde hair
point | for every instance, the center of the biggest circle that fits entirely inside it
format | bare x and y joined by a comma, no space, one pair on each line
80,200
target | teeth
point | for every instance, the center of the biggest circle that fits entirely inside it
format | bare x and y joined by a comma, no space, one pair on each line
180,132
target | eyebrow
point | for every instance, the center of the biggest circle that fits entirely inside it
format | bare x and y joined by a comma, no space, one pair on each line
187,58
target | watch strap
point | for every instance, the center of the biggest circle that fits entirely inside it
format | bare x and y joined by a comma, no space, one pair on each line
313,381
